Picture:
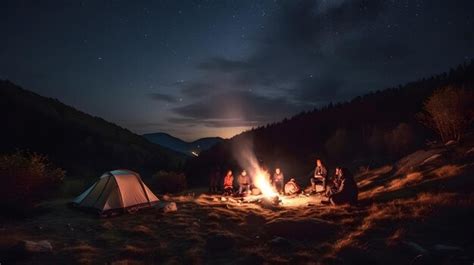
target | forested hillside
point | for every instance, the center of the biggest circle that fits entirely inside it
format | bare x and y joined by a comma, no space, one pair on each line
73,140
365,132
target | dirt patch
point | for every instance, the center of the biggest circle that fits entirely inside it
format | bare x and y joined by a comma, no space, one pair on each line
219,242
301,229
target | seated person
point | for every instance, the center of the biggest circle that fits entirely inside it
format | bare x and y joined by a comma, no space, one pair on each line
347,191
334,184
244,182
278,181
229,183
214,180
291,187
319,178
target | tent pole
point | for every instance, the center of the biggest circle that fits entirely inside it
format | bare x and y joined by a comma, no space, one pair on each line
103,189
143,188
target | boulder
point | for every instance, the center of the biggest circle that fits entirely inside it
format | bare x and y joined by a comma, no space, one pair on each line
170,207
43,246
280,243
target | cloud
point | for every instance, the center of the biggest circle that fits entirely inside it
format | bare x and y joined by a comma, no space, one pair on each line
315,52
163,97
319,89
214,123
294,46
197,88
235,108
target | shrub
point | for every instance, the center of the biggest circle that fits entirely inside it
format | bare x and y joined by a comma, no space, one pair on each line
27,178
448,112
168,181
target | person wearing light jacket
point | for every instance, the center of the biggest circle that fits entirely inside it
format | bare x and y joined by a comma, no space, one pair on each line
244,182
278,180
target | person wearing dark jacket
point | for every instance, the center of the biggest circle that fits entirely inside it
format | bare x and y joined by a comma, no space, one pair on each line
347,191
319,177
334,183
214,180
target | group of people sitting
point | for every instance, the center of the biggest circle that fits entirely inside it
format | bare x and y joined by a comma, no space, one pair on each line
340,189
244,182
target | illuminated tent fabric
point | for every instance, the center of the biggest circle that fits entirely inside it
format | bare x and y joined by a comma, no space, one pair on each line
117,190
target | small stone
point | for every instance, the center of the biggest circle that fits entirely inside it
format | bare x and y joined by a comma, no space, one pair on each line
447,248
450,142
107,225
280,242
170,207
223,199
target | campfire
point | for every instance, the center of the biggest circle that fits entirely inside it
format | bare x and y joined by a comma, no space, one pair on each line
263,183
260,178
268,194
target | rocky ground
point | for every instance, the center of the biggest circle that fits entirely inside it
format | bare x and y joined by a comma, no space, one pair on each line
417,211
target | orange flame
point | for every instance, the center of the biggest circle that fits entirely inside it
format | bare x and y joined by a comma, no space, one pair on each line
263,183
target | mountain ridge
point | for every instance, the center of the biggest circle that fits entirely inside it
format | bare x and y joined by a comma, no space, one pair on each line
177,144
70,136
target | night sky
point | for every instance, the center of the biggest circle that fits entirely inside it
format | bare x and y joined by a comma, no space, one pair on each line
216,68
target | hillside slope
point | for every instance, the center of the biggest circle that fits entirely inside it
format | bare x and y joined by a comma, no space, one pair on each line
182,146
367,131
78,142
419,210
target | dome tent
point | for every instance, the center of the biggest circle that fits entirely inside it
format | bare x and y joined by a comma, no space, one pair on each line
117,191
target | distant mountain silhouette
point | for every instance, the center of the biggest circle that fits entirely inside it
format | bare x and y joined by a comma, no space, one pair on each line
182,146
78,142
367,131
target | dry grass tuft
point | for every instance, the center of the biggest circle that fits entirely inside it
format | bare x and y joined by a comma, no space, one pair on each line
396,211
448,171
82,247
133,251
395,238
142,230
127,262
408,180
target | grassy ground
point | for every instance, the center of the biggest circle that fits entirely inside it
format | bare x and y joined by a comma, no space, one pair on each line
418,211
